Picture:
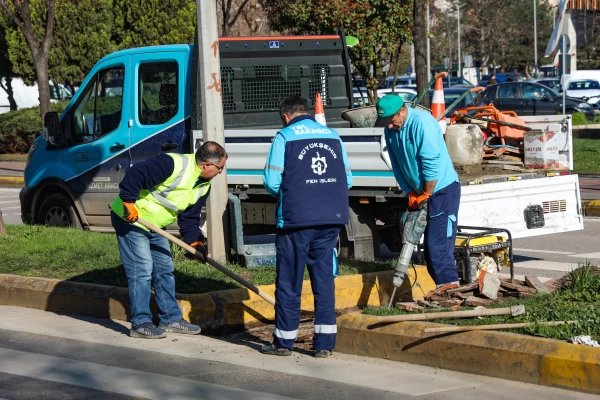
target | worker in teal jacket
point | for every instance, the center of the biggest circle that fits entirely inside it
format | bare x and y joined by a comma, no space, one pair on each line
424,170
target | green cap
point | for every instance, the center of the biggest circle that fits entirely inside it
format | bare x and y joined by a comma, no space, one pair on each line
389,105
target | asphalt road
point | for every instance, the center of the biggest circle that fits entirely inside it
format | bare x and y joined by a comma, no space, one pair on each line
48,356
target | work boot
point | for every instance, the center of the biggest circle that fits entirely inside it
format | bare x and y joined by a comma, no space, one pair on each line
274,351
147,330
181,326
323,353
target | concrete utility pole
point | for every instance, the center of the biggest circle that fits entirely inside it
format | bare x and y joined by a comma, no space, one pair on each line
459,60
209,75
535,62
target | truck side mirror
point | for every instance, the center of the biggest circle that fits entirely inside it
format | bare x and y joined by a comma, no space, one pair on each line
52,133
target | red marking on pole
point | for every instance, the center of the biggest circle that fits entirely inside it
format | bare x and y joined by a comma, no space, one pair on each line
215,47
216,84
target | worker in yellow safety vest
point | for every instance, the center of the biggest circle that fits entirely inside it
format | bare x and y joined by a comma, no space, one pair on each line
161,190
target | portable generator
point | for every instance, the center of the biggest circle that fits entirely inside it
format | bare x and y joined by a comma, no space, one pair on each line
480,249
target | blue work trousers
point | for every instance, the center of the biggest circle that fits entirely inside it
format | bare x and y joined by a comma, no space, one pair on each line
440,234
147,257
315,248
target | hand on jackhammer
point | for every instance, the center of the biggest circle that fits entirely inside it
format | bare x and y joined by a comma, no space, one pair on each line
415,201
199,246
130,213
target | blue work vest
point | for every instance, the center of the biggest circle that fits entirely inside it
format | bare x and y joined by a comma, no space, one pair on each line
314,188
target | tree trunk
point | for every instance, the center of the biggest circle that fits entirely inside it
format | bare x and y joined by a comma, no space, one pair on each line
420,43
9,93
41,70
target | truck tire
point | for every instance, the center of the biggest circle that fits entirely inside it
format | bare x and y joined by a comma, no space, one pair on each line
345,247
57,210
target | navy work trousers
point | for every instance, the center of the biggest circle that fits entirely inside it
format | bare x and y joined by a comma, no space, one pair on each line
296,248
440,234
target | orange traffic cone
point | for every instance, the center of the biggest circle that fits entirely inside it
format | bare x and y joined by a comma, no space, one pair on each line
319,112
437,103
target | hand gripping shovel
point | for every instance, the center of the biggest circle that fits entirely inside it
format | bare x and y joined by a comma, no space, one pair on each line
270,299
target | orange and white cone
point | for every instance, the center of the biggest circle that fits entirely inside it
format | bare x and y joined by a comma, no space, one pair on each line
319,112
437,103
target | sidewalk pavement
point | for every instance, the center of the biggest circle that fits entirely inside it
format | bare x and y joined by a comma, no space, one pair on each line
398,378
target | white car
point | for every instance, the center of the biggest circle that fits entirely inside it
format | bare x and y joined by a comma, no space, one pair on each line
407,94
583,88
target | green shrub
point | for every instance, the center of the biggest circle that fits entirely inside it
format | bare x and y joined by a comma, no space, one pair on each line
19,128
578,118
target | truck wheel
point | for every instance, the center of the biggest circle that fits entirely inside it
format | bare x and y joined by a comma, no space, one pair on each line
57,210
345,247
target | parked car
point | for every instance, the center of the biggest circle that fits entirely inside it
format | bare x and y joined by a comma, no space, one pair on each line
401,80
407,94
552,83
451,94
28,96
457,82
529,98
583,89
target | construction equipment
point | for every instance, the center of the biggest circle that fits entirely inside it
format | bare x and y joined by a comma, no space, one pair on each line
412,226
482,248
270,299
416,102
478,312
458,100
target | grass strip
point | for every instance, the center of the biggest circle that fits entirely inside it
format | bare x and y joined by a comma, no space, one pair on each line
13,157
577,300
586,155
92,257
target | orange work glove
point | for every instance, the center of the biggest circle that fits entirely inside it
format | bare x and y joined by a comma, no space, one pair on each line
412,200
199,246
416,203
130,213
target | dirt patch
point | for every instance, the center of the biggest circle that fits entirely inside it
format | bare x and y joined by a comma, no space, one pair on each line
471,172
263,334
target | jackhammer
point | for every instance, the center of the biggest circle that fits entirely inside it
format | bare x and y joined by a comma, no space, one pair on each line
412,226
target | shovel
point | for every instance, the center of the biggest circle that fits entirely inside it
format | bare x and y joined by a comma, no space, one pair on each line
482,312
270,299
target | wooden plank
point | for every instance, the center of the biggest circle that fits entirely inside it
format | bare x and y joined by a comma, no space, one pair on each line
535,283
518,288
464,288
512,168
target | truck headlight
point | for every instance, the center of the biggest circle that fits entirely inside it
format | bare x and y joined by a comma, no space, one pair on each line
34,146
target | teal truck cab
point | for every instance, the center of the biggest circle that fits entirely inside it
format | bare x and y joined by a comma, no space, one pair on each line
137,103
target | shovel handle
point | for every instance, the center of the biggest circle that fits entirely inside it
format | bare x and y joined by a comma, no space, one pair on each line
270,299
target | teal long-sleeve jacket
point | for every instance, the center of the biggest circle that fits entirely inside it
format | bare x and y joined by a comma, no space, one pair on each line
418,153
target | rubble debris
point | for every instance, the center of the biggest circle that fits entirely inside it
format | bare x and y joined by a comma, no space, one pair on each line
535,283
478,301
430,304
518,287
489,285
410,306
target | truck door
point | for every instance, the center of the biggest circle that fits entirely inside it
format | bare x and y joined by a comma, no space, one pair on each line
97,127
160,103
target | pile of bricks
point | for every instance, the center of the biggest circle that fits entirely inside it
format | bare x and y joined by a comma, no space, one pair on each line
487,290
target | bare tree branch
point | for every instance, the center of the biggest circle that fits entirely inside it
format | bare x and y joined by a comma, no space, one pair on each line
13,16
239,11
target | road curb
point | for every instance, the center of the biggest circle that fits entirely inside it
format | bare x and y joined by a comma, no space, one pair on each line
12,180
213,311
504,355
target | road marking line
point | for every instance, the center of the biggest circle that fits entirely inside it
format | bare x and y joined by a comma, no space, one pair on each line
586,255
119,380
544,251
8,208
10,201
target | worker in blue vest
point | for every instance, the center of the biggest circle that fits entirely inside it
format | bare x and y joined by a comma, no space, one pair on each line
161,190
307,171
424,170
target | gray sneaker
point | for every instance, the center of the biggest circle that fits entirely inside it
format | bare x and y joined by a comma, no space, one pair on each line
323,353
147,330
181,326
